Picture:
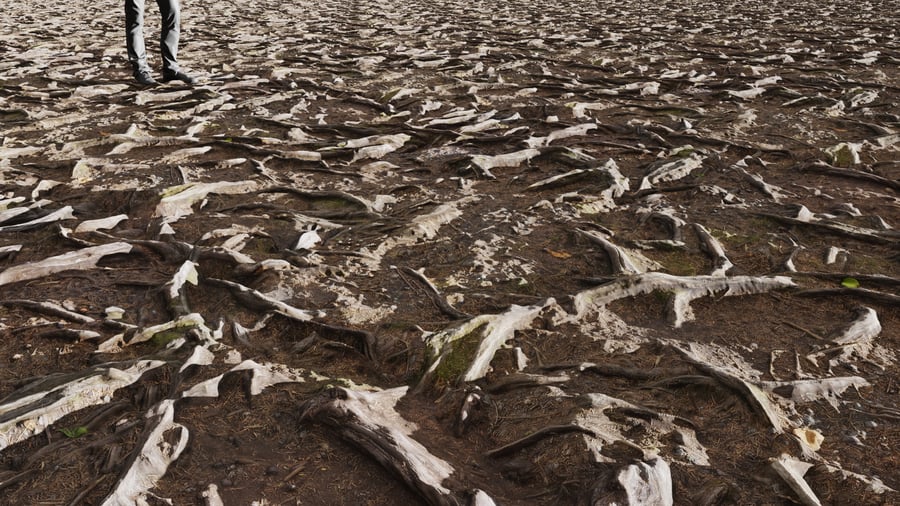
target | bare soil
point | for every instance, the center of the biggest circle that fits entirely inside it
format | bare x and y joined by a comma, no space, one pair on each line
758,92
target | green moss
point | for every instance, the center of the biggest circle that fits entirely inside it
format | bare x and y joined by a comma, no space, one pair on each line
456,362
867,264
679,262
663,296
161,339
332,203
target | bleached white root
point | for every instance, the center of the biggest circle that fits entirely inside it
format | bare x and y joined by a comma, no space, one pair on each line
618,185
493,332
262,376
737,376
101,224
192,321
792,471
370,420
572,131
647,483
684,289
163,445
83,259
809,390
771,191
64,213
187,273
50,308
481,498
623,261
874,483
761,395
487,162
856,340
211,496
177,201
805,216
714,249
256,298
90,388
656,425
422,227
672,171
377,147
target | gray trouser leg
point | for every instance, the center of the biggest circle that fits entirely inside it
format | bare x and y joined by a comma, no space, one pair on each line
170,12
134,34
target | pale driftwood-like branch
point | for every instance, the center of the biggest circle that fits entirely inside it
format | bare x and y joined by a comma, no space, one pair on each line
369,420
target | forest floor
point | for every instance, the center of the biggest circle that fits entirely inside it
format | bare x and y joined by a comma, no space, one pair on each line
452,251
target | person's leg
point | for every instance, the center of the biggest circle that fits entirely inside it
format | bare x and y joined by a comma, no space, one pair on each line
134,35
170,11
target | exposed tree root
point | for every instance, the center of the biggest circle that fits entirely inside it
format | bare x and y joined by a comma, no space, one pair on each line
259,302
369,421
49,309
439,301
861,293
534,437
824,168
515,381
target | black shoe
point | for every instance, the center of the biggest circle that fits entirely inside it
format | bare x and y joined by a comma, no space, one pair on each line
144,78
178,76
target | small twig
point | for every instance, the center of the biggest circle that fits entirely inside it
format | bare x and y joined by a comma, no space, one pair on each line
294,472
801,329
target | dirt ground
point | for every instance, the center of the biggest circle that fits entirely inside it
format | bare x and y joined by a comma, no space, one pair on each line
590,238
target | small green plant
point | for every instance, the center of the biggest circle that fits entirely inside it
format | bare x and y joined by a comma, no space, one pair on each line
850,283
74,432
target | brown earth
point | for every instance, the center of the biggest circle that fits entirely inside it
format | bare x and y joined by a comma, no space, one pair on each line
374,124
